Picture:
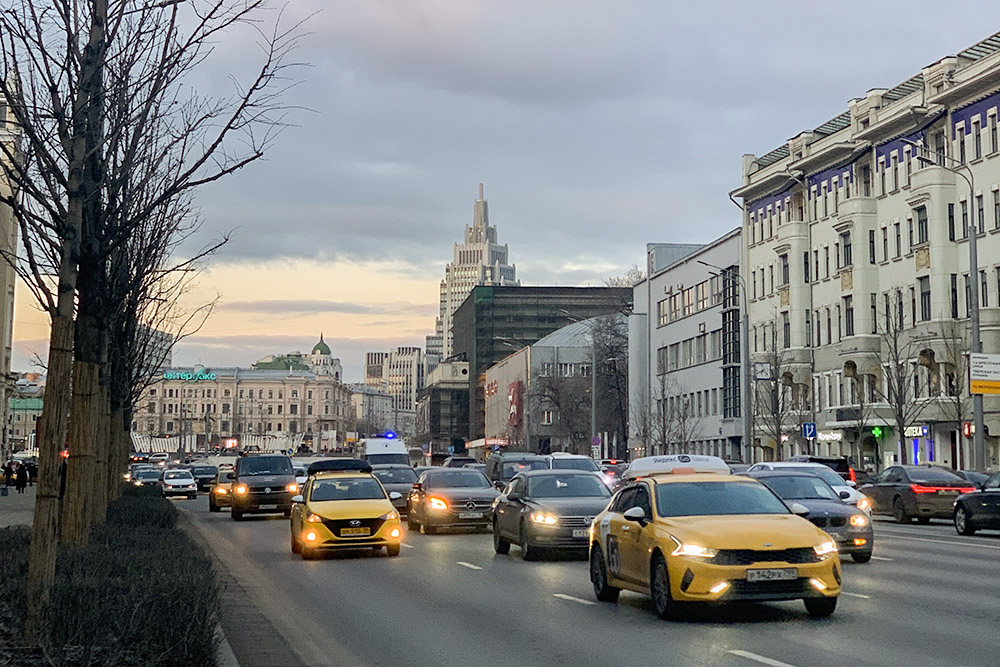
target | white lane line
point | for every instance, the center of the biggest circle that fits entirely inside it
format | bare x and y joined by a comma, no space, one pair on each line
563,596
469,565
883,558
408,546
759,658
948,542
856,595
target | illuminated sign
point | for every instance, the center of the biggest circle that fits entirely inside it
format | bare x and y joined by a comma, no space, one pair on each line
190,377
829,436
915,431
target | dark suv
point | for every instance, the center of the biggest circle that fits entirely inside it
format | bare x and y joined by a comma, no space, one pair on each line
838,464
263,484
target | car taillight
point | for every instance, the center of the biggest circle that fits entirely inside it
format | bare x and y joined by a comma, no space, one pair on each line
853,476
917,488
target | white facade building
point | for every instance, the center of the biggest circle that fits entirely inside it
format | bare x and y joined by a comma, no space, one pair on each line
684,353
478,260
400,374
372,409
848,234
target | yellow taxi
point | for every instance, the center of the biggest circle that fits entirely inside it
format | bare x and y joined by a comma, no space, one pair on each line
344,509
684,530
220,494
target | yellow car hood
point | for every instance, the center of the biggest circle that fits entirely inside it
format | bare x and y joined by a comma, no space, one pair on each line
745,531
351,509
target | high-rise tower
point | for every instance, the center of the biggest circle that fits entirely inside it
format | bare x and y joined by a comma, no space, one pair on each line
479,260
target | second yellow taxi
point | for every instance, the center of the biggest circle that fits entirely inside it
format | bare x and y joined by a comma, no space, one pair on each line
680,535
346,509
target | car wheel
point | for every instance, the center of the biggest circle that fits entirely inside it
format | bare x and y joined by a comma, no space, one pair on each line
237,515
962,525
428,529
296,546
392,550
528,552
599,577
820,607
899,511
862,556
500,545
659,589
411,523
212,507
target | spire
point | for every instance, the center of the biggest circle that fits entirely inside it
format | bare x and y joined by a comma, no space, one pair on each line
480,218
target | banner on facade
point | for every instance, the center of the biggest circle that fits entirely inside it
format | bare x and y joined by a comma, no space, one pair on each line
984,373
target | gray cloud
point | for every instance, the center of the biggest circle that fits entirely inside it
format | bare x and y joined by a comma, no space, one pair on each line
301,306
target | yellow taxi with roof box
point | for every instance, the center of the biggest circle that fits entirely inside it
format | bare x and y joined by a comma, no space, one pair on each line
343,506
683,529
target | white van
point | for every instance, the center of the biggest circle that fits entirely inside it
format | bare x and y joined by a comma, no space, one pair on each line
383,450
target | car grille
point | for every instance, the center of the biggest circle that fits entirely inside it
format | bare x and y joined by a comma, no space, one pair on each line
276,492
832,522
751,556
743,588
575,521
334,525
462,505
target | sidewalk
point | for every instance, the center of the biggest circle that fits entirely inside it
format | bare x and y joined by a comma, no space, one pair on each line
17,509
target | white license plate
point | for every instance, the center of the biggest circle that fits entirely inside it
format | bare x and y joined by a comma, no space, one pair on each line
580,532
947,492
470,515
268,507
776,574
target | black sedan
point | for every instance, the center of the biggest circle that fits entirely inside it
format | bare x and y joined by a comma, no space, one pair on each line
924,492
204,475
396,477
450,498
548,509
979,509
849,527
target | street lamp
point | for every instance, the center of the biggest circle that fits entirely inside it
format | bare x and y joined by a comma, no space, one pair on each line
978,441
745,405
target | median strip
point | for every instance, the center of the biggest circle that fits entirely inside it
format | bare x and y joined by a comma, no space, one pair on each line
469,565
759,658
563,596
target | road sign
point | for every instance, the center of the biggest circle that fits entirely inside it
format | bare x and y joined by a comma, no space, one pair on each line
984,373
809,430
596,441
451,449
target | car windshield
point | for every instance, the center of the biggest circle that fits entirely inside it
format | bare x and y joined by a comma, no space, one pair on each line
716,498
349,488
459,479
177,474
265,465
514,467
206,470
566,486
396,476
148,474
932,475
801,487
574,464
821,471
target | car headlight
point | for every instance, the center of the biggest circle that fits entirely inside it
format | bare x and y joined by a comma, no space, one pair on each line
825,549
693,550
389,516
221,490
292,488
240,490
543,518
859,521
138,482
437,504
314,518
864,504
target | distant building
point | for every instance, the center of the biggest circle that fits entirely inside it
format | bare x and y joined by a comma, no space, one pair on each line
400,374
478,260
443,407
156,349
320,361
372,410
493,322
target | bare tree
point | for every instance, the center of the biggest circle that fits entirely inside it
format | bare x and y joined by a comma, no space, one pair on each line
954,385
610,367
777,398
863,399
567,399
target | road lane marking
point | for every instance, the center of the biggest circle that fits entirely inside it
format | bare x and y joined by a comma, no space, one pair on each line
882,558
563,596
408,546
856,595
759,658
949,543
469,565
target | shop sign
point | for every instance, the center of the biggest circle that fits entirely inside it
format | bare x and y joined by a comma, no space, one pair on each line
915,432
829,436
190,377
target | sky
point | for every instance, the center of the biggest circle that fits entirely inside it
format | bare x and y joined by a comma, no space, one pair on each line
596,127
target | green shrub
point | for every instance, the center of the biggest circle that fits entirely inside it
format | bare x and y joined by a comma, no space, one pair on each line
13,573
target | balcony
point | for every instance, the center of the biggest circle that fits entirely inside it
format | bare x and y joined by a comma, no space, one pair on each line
856,206
791,231
930,177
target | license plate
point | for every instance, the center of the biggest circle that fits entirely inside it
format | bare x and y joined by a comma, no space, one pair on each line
470,515
777,574
355,531
947,492
272,506
580,532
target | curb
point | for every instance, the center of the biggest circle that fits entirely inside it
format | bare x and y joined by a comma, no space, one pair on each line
224,656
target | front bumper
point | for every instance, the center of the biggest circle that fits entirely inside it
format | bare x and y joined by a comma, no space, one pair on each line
221,499
180,490
453,518
327,535
692,579
558,537
250,502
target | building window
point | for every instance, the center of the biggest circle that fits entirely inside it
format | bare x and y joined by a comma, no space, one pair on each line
548,417
913,305
993,134
980,214
662,314
805,266
874,313
885,244
977,141
784,269
895,173
961,145
829,327
848,315
871,246
925,298
954,293
826,261
968,294
845,246
909,228
922,233
786,331
295,393
816,263
984,291
951,222
965,219
566,370
899,241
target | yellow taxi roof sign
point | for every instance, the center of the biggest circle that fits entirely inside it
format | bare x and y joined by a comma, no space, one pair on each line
679,463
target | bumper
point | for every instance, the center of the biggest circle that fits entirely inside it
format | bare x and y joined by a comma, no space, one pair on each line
813,580
551,537
455,519
179,491
261,503
389,533
935,507
852,541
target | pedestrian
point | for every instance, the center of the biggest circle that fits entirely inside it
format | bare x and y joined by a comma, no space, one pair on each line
32,473
8,473
21,478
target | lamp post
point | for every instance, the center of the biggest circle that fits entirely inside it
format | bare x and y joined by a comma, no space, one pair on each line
978,436
745,405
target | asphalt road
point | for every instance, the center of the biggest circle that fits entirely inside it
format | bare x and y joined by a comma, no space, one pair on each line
929,597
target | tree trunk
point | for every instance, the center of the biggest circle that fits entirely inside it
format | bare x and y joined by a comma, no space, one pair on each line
80,470
51,439
118,433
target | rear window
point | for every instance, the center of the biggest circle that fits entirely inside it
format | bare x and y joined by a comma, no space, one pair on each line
396,476
205,470
574,464
932,475
839,465
511,469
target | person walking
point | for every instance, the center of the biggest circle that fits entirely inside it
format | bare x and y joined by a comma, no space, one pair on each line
21,478
8,473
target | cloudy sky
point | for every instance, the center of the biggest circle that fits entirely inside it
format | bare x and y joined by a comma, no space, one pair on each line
596,127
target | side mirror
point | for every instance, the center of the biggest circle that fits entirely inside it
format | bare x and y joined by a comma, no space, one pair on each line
636,514
499,485
297,499
851,483
417,486
395,495
799,508
230,476
844,495
513,495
